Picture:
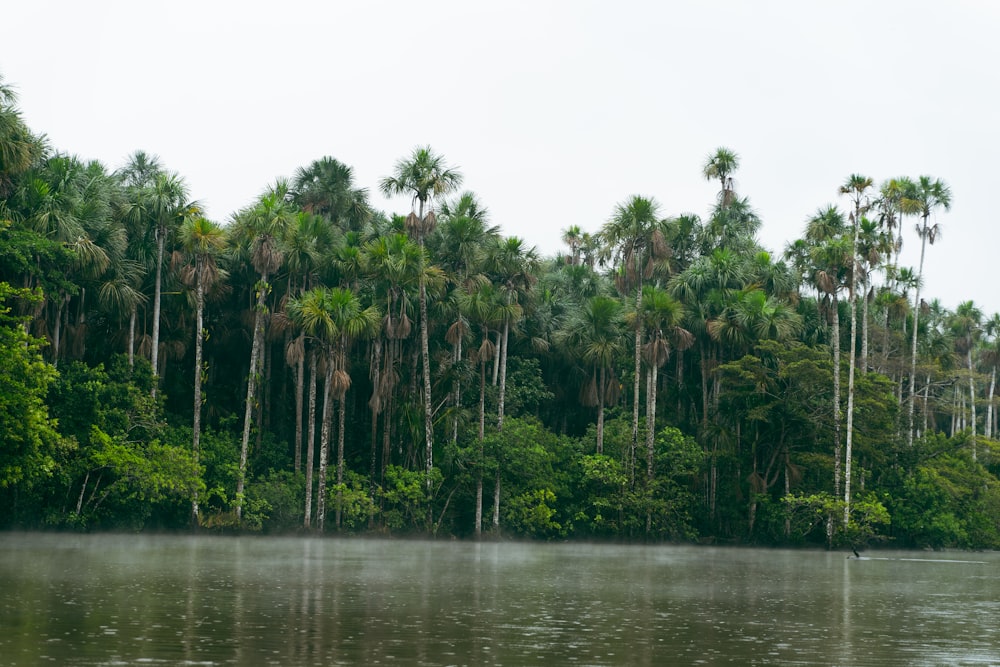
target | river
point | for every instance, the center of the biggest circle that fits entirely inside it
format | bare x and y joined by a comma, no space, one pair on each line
205,600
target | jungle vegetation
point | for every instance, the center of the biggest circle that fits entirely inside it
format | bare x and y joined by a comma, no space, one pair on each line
315,365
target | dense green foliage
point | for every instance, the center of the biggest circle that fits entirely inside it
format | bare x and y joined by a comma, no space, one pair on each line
315,365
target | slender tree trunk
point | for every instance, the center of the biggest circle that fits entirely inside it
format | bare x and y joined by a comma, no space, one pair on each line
196,426
864,333
835,335
324,446
426,361
972,400
131,337
638,363
600,411
300,382
340,461
850,408
311,435
912,398
161,235
481,458
503,375
255,354
496,503
989,404
651,421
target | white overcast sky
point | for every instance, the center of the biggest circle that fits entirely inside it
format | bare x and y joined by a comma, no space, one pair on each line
553,111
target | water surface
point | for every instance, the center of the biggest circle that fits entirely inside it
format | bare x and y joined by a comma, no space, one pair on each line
134,600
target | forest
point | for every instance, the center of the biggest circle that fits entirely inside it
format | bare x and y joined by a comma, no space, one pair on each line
313,365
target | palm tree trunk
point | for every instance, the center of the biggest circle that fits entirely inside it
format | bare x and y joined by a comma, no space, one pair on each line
638,363
835,343
340,461
300,368
972,400
503,375
480,459
131,337
850,412
912,398
311,436
255,354
600,411
324,446
161,234
651,421
196,426
426,361
989,404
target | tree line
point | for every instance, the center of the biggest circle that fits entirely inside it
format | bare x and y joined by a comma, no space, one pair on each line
317,365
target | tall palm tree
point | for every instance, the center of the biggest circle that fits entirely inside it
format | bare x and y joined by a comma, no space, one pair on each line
259,230
326,187
573,237
856,186
830,257
922,197
424,176
203,241
721,165
595,335
662,316
166,203
967,324
635,237
18,148
989,355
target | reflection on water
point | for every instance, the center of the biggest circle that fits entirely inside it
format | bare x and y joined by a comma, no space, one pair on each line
122,600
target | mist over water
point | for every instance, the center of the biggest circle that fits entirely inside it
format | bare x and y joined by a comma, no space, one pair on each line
131,600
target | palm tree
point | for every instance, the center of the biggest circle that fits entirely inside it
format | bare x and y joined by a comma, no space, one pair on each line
594,334
721,165
349,321
259,230
830,256
634,234
573,237
922,197
424,176
661,316
967,324
18,148
203,240
856,186
326,188
989,355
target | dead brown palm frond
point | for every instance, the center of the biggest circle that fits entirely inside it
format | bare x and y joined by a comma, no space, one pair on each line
612,390
756,481
145,345
825,282
340,384
188,275
177,260
588,392
486,350
403,327
457,331
429,222
683,339
412,223
295,351
656,352
661,249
